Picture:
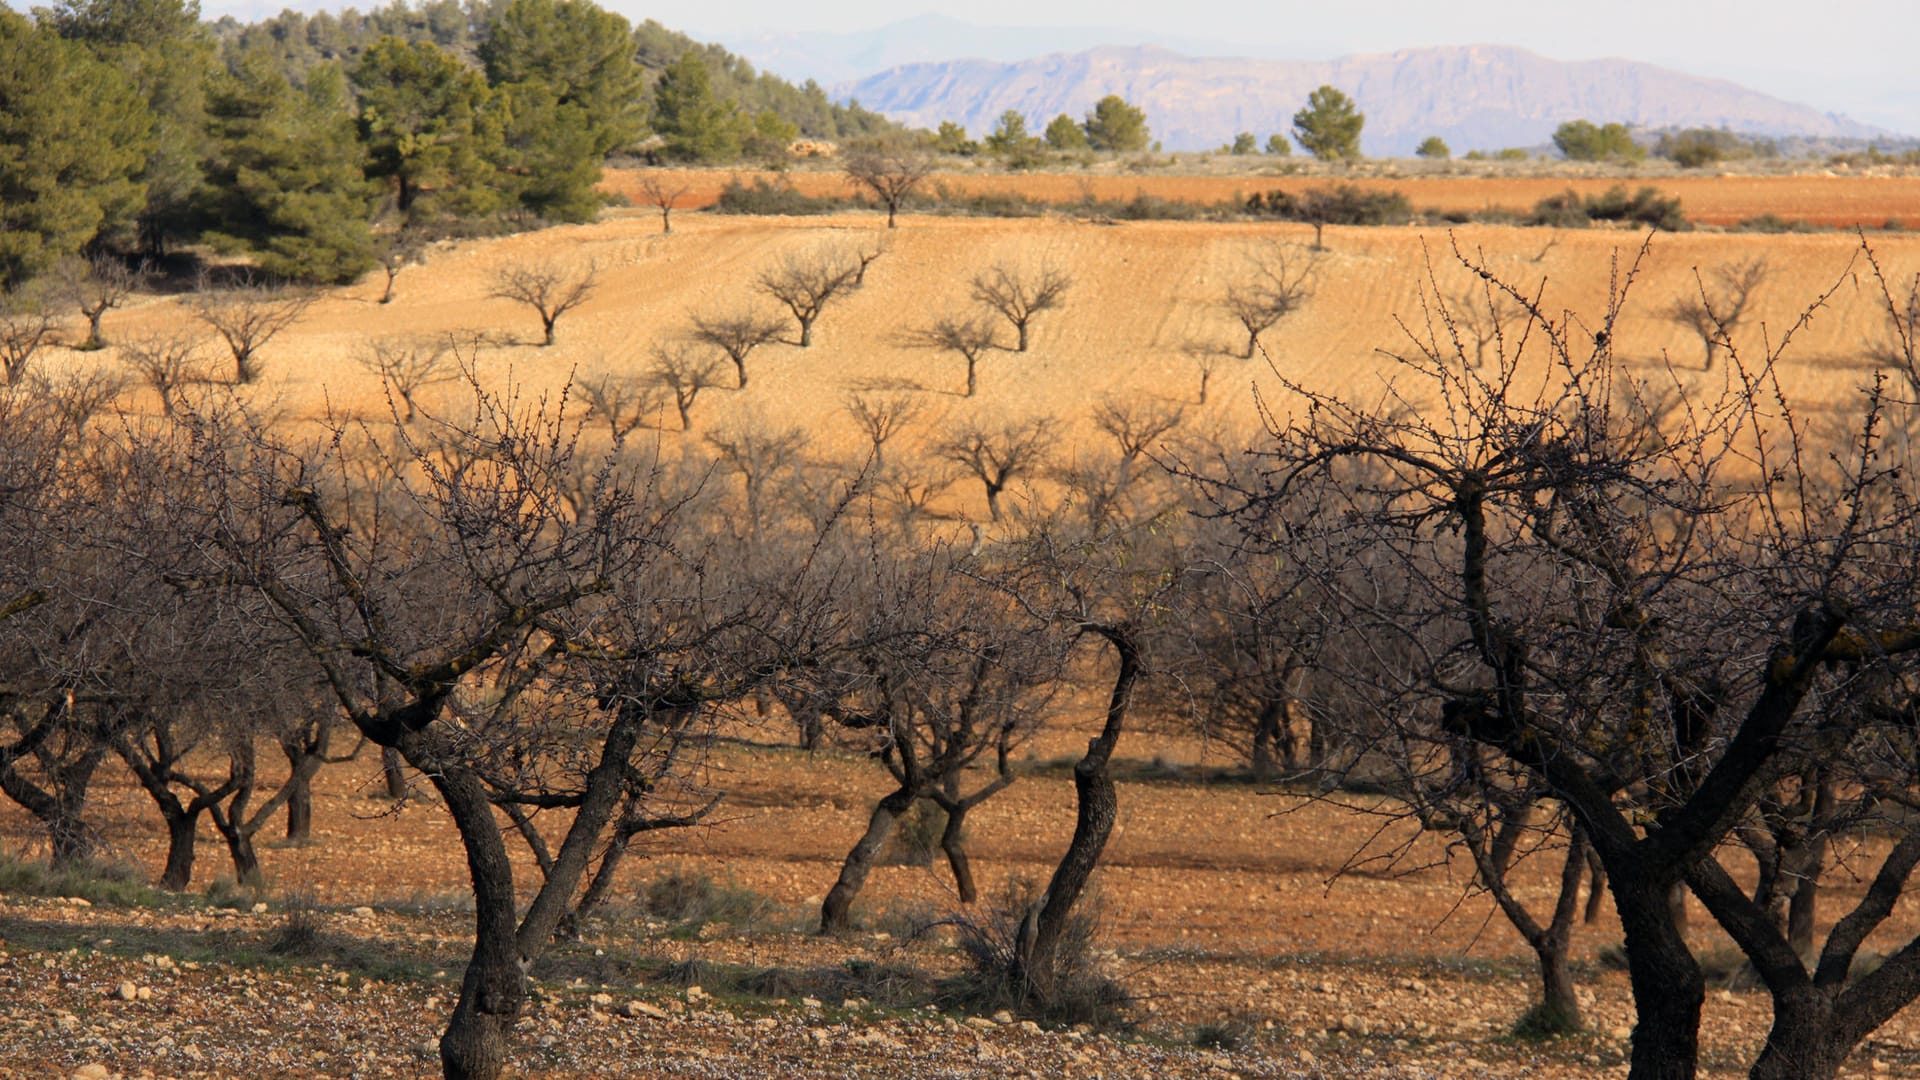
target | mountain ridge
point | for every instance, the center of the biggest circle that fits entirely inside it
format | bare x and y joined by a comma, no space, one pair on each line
1473,96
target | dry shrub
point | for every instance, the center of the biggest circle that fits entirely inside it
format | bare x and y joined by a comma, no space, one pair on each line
1082,993
688,900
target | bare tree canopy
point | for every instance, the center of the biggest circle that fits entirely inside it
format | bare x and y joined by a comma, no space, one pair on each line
165,362
737,333
804,282
890,174
550,290
1276,282
968,336
408,366
1719,302
663,195
1021,295
999,456
96,286
247,317
683,373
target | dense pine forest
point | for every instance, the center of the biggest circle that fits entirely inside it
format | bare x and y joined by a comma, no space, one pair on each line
318,145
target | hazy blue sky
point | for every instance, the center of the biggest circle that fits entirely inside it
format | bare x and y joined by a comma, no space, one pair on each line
1851,56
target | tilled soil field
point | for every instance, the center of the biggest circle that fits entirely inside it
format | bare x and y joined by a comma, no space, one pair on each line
1249,954
1824,199
1233,917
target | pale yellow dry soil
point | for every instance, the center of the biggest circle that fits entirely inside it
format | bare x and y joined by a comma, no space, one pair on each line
1222,904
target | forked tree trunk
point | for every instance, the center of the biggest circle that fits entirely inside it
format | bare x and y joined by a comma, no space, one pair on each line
1037,947
836,913
953,842
62,810
1801,1044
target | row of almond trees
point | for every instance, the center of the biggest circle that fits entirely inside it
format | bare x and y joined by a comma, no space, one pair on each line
540,625
1559,616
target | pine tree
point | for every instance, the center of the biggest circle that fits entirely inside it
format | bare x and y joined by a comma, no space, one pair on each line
1115,125
430,128
1329,127
550,162
584,56
1066,135
695,125
287,174
73,134
161,46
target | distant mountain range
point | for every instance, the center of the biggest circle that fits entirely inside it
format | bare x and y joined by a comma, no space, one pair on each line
1480,96
1197,96
832,59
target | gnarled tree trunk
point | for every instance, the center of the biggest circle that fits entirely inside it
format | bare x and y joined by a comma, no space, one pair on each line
1097,803
836,913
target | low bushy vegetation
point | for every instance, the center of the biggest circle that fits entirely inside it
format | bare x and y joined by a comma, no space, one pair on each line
96,881
688,900
1083,993
775,197
1644,207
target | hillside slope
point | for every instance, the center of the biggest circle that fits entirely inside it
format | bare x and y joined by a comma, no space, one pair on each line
1141,318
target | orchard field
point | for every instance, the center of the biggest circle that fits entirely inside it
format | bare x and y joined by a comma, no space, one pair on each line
1259,929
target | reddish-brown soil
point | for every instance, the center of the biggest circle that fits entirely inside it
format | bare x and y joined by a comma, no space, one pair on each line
1221,904
1826,200
1217,905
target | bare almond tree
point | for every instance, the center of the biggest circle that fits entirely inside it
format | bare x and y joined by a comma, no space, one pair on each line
247,317
1136,425
758,455
683,372
166,362
24,326
479,573
947,684
1276,283
864,257
913,490
1719,302
397,251
736,333
549,290
1662,629
969,336
890,175
1901,306
96,286
406,367
1020,295
1486,316
663,196
805,283
997,457
881,416
1207,360
622,402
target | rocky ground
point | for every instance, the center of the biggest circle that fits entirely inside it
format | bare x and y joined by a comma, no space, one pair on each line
260,990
